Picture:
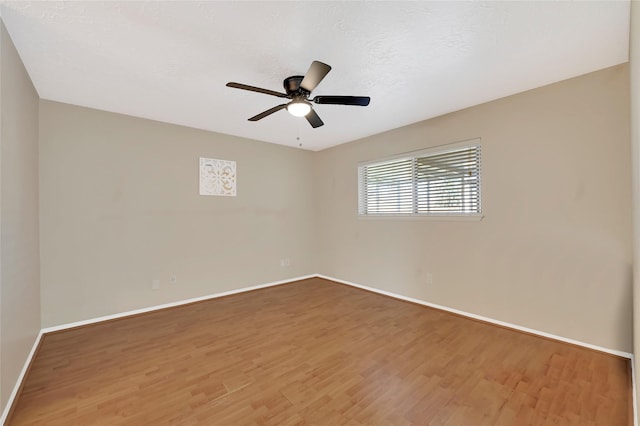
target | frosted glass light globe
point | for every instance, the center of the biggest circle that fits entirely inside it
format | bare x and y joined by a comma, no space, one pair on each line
299,108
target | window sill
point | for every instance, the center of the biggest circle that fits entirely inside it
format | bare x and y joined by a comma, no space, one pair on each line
427,217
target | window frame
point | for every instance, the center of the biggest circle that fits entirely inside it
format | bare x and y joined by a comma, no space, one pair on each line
431,151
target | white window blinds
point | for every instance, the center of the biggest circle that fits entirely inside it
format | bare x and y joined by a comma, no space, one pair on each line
434,182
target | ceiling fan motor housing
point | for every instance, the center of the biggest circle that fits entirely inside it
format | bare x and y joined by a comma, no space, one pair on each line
292,86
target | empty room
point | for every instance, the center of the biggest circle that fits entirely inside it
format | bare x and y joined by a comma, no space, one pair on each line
319,212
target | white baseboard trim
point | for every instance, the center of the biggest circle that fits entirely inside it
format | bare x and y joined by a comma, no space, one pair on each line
16,387
170,305
43,331
482,318
633,389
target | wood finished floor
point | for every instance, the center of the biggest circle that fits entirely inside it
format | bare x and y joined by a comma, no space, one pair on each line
317,353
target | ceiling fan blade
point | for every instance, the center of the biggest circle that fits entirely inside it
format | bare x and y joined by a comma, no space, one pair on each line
314,119
317,71
267,112
343,100
256,89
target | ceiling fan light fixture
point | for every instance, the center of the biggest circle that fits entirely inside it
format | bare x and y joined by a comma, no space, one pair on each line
298,88
299,108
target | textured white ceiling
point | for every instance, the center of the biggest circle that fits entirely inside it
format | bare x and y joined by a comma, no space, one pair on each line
170,61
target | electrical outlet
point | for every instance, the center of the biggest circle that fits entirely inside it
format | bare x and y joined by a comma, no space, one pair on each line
155,285
285,262
173,279
429,278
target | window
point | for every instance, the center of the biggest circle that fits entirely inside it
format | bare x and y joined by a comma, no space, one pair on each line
443,181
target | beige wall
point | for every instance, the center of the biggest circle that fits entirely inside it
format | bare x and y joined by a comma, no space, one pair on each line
19,250
120,207
634,80
553,252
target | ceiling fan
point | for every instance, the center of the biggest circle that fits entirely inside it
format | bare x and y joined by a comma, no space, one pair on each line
298,88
